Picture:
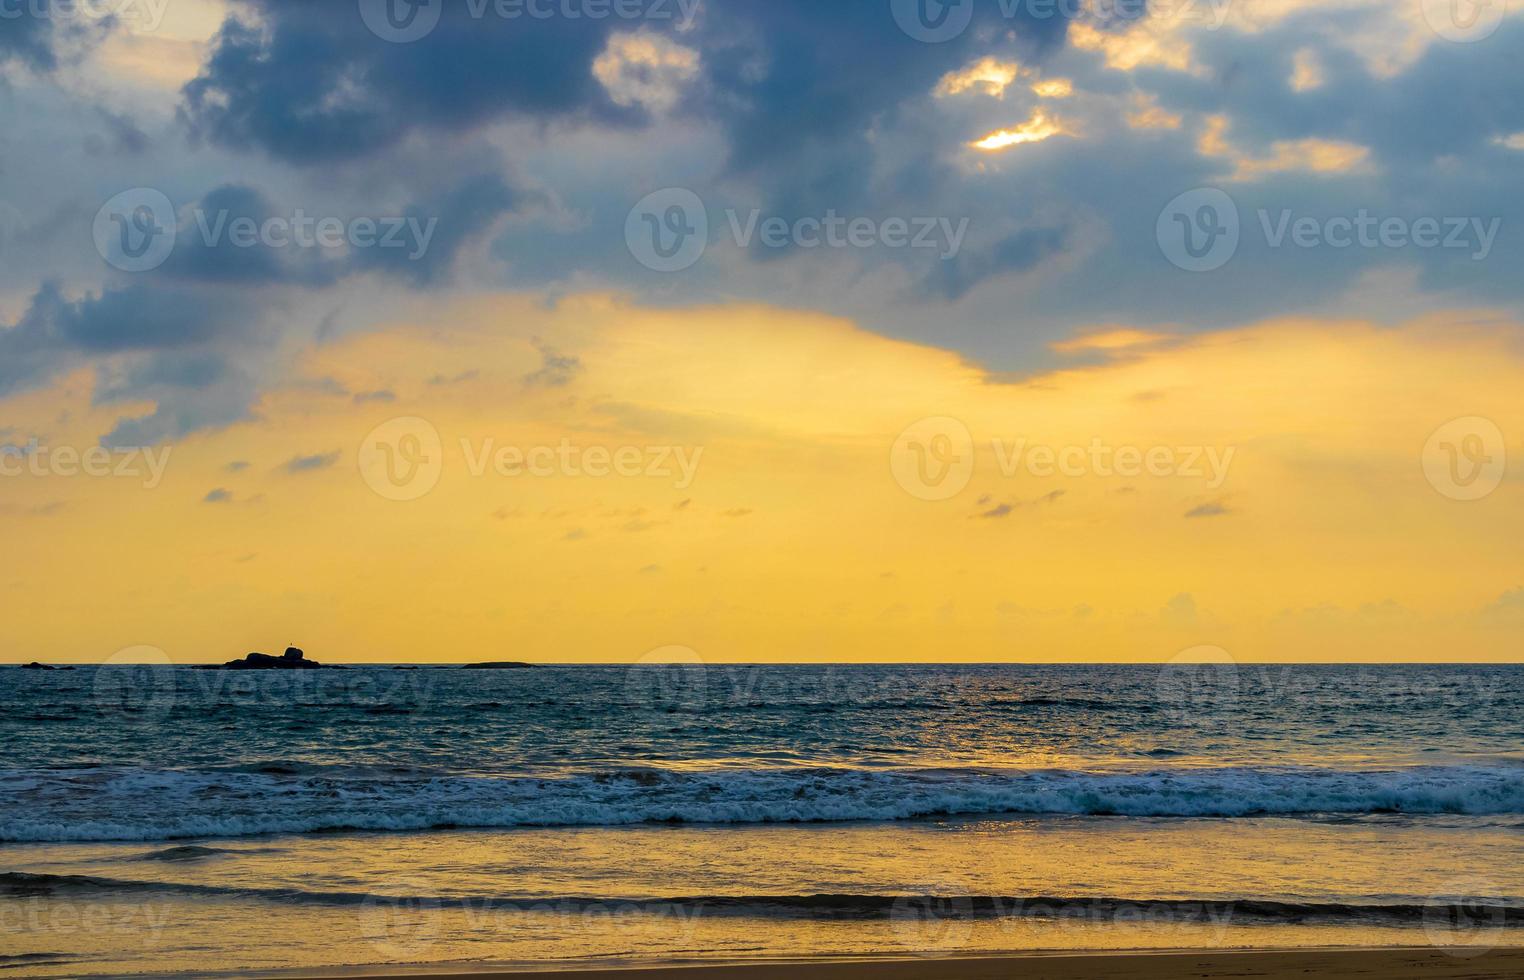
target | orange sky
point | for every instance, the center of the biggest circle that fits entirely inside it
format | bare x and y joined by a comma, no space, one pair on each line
769,508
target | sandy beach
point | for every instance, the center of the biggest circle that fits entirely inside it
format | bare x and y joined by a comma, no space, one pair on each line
1388,964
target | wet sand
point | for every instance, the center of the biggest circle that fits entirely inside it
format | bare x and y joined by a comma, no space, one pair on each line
1385,964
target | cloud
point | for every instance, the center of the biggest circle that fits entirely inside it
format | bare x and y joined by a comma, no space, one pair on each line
1180,610
442,380
218,496
556,369
1002,510
310,84
1507,608
306,464
645,69
1212,509
373,397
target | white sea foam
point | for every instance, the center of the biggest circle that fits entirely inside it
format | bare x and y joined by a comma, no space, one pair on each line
139,805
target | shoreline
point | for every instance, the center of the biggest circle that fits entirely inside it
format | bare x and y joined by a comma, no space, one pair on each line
1379,963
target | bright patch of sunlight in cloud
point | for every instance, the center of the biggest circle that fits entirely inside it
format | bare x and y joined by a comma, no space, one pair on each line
1034,130
988,76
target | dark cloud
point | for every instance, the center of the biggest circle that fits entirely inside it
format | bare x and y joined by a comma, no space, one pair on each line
55,332
556,369
951,278
433,233
34,32
306,464
1213,509
312,84
218,496
798,85
441,380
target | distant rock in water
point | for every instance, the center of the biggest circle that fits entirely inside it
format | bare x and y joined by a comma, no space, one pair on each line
34,665
292,659
499,665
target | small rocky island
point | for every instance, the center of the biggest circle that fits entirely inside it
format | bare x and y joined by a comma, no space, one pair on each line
292,659
498,665
34,665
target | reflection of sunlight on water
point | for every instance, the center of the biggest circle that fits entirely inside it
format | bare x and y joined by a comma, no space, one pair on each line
432,893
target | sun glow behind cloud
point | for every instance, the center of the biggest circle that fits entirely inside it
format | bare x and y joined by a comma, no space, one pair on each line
1034,130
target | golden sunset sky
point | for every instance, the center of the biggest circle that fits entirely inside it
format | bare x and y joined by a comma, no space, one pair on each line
865,453
1326,540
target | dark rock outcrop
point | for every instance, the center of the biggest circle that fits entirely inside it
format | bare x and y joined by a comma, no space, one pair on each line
498,665
34,665
292,659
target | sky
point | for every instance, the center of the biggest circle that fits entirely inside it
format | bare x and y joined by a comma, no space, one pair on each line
892,330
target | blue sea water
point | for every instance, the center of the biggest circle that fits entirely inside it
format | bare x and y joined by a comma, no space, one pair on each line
1340,795
158,753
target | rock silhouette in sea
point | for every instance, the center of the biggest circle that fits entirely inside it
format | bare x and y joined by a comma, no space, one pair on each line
498,665
292,659
34,665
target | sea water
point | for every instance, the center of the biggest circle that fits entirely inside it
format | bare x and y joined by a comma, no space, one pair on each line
159,819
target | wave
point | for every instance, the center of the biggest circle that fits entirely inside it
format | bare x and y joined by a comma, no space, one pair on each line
1496,912
149,805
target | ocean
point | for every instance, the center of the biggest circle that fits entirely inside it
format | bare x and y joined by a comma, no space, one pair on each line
168,819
